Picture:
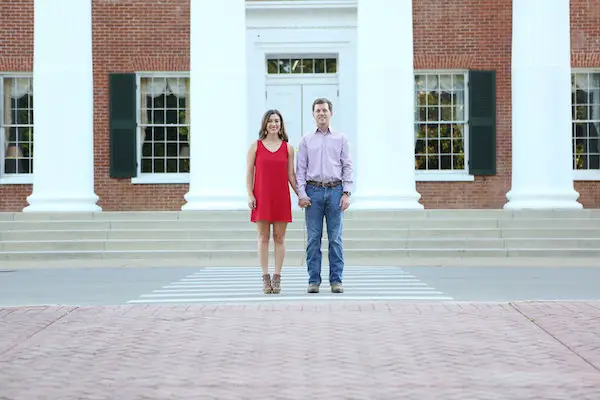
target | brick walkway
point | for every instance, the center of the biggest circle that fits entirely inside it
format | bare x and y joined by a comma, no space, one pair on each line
302,351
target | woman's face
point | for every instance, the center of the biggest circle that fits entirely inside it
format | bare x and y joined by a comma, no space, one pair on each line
274,124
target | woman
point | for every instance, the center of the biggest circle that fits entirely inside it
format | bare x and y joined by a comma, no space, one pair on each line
270,168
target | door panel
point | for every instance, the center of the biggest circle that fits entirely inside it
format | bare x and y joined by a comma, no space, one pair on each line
288,100
309,94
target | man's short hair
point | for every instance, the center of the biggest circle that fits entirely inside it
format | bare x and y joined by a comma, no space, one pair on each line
322,100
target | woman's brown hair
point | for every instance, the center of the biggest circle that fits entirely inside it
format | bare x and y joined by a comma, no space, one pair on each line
263,129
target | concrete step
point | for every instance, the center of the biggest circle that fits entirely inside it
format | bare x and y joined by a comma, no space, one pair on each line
367,235
151,245
296,232
350,214
229,224
296,256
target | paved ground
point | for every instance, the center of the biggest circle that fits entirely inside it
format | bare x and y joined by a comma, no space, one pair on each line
355,350
115,286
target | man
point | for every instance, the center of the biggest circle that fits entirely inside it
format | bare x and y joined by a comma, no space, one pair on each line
324,175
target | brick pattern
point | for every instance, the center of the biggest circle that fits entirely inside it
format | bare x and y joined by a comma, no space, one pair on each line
136,35
354,350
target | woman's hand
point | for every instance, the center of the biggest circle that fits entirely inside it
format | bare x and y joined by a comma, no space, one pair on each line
251,202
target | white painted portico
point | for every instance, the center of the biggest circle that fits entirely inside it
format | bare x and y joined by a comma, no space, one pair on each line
374,104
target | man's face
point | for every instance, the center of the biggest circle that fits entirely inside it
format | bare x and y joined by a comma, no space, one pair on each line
322,114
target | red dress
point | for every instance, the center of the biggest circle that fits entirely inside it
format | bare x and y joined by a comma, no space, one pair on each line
271,185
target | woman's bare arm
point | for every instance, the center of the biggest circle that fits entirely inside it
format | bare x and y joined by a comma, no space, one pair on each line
291,169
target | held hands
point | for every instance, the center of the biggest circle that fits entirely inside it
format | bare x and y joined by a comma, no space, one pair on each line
251,202
344,202
304,202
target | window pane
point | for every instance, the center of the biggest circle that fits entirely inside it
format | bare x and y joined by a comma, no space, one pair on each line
440,98
18,125
331,65
165,124
586,120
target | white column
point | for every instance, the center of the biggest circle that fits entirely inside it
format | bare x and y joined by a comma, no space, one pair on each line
542,166
218,106
63,88
385,164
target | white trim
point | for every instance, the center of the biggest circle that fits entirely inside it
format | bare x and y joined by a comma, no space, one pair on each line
11,179
455,175
162,74
586,175
17,179
442,176
583,174
299,4
161,178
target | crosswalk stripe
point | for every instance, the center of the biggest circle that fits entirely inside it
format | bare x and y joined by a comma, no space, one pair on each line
242,284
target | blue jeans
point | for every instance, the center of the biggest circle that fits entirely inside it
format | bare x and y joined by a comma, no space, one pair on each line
325,203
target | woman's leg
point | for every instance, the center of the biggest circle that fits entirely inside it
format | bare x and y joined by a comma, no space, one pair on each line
279,229
279,241
264,234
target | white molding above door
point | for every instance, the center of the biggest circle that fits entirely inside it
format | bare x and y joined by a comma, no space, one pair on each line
300,4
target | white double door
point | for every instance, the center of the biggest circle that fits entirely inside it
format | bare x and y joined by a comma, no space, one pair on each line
294,101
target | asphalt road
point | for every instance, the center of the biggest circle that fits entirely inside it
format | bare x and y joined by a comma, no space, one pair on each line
114,286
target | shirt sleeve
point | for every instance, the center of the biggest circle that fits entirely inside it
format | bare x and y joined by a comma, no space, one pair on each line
347,168
301,167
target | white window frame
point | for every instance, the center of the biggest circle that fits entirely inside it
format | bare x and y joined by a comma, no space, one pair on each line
155,178
448,175
11,179
583,174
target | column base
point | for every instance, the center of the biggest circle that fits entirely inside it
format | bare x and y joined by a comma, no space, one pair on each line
386,203
543,201
198,202
66,204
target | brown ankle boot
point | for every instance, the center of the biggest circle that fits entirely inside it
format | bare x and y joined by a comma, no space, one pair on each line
276,284
267,284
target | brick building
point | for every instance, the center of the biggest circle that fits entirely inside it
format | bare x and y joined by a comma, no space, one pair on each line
425,83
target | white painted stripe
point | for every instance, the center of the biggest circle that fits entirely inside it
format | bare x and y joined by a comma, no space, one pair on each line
292,285
303,288
311,297
252,278
254,293
285,272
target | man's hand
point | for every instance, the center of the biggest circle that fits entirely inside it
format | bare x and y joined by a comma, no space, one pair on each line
304,202
345,202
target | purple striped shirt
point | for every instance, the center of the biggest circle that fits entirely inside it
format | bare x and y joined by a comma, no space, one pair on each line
324,157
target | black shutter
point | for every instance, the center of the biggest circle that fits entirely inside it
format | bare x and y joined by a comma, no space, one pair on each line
482,122
122,125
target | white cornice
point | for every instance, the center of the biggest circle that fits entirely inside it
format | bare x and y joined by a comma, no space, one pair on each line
299,4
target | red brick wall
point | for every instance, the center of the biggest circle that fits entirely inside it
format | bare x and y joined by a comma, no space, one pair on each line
469,34
585,53
138,35
127,37
16,55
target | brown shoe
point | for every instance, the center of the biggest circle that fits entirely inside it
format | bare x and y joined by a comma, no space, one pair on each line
312,288
267,288
276,283
337,288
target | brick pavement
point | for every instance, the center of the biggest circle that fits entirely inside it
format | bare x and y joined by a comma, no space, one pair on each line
302,351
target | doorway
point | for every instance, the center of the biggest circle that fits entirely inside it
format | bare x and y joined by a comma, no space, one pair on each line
294,101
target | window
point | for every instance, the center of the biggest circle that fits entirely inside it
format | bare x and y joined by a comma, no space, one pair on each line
440,122
585,98
16,125
296,65
164,125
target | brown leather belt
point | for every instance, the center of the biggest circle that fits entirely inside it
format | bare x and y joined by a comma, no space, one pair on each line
324,184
